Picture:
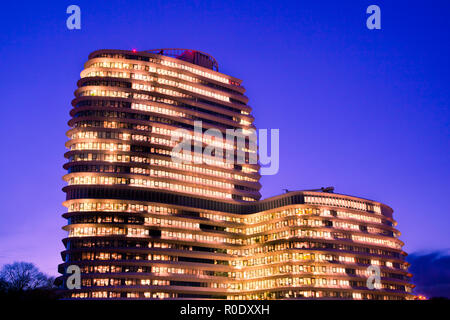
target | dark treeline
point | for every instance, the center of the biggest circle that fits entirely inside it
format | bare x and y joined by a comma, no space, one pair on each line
24,281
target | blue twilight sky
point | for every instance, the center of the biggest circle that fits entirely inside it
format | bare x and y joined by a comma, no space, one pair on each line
364,111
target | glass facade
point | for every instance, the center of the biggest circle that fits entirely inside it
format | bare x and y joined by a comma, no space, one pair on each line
141,226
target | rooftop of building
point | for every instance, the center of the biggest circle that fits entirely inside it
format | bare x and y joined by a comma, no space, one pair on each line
193,56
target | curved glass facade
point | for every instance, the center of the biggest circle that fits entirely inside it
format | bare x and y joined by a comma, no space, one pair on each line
142,226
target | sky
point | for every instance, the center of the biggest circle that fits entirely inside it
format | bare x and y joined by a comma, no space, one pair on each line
365,111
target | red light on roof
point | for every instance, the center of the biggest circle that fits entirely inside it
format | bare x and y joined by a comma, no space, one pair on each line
134,50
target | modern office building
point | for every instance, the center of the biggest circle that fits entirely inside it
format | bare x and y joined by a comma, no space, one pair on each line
141,226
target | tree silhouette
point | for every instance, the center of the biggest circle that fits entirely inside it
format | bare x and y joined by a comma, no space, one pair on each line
21,276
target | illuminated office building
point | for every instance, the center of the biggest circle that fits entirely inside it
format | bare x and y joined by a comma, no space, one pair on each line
143,226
